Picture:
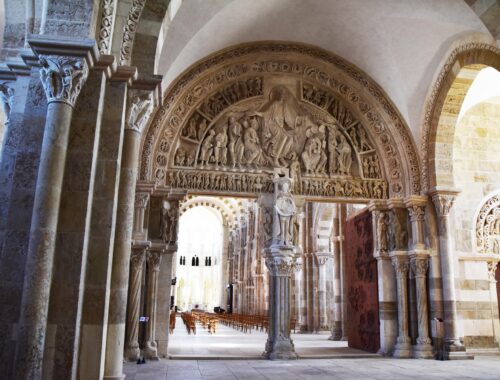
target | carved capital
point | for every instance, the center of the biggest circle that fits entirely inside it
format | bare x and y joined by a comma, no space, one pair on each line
417,213
139,109
322,258
401,265
154,258
62,77
137,258
7,99
419,266
492,268
280,266
443,201
141,200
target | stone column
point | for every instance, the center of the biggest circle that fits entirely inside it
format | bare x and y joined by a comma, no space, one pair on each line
280,260
492,269
139,108
401,265
62,78
443,201
387,294
419,267
162,317
153,268
322,259
336,324
132,350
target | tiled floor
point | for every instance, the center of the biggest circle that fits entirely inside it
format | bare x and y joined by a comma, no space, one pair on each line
230,343
344,363
316,369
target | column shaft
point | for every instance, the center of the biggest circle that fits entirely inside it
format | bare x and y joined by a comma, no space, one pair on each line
419,266
401,266
153,261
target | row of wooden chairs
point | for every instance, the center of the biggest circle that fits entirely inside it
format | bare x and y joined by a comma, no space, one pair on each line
173,317
209,321
189,322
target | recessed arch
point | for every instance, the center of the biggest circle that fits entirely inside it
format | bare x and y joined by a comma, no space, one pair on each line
320,69
443,107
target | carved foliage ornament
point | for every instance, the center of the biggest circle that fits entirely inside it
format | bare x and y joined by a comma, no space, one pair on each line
216,92
62,77
129,31
104,42
488,226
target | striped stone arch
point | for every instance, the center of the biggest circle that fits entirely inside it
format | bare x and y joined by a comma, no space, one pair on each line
230,209
323,224
443,107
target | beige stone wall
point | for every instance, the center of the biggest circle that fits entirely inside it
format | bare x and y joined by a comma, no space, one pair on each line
476,171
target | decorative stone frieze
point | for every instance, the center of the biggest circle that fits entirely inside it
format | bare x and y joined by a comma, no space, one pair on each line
129,31
487,229
106,26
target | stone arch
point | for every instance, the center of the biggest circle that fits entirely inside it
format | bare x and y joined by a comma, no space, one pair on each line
487,225
443,107
351,90
229,209
323,223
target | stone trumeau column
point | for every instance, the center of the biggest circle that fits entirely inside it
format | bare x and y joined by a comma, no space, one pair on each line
64,70
280,260
419,260
139,108
443,199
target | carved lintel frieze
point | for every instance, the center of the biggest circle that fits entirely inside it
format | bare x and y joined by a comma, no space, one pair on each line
62,77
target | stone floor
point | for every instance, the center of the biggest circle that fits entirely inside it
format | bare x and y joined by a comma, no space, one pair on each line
316,369
230,343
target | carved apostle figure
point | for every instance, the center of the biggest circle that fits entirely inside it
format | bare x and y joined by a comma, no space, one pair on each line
168,222
236,148
221,147
345,158
252,151
332,149
382,232
285,210
207,148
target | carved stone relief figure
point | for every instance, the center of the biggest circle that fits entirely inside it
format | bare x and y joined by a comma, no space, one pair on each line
488,226
139,109
252,149
345,158
236,147
220,150
6,98
168,221
284,206
398,236
382,222
207,148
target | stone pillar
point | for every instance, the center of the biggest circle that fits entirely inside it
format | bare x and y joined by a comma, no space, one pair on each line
139,107
443,201
162,317
336,324
419,267
132,350
343,284
401,265
62,77
492,269
387,294
153,268
322,259
280,260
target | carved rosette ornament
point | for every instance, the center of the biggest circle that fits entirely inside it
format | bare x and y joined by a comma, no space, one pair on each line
241,114
140,107
487,228
62,77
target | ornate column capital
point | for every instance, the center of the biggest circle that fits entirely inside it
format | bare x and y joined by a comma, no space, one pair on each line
492,267
137,257
154,258
419,265
443,199
417,213
62,77
141,200
323,257
280,264
401,264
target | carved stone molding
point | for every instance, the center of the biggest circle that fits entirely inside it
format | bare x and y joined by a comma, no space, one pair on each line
230,83
487,229
62,77
139,109
129,31
7,99
464,54
106,26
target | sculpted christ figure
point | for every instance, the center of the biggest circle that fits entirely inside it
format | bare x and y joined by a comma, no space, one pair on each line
285,208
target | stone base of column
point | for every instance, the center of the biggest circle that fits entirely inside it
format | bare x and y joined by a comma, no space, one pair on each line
402,349
114,377
423,350
280,350
336,331
132,353
150,352
456,352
